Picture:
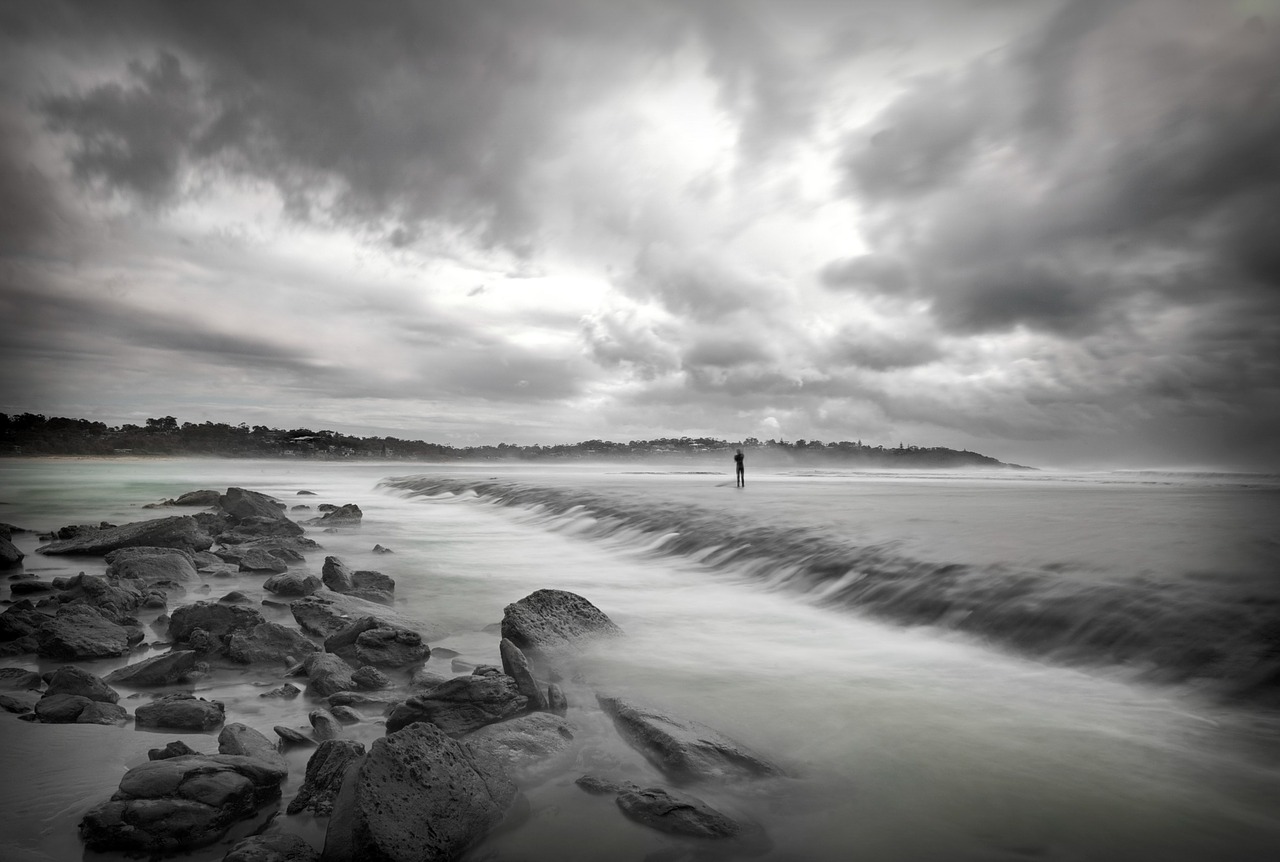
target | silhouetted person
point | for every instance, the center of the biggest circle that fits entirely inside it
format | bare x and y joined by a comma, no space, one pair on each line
742,474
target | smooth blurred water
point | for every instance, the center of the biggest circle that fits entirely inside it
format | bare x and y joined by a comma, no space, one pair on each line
918,742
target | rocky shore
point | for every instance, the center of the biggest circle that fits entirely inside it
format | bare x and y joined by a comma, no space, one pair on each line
376,748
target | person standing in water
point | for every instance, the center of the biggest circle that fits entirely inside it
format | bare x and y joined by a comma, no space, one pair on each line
742,475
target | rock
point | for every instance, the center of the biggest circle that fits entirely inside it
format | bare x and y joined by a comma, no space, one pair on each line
289,555
685,750
423,678
677,813
300,508
325,771
74,708
19,702
180,711
370,678
172,668
554,619
242,740
283,546
462,704
524,744
288,691
17,679
346,515
154,566
306,493
21,620
292,584
252,531
274,847
78,631
369,641
416,796
336,575
328,674
30,586
290,737
218,620
115,600
178,531
268,642
370,581
556,701
73,680
355,698
198,498
177,748
378,549
179,803
516,666
326,507
242,505
10,556
235,597
346,715
598,786
253,560
205,644
324,724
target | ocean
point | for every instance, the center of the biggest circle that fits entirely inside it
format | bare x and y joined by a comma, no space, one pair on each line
947,666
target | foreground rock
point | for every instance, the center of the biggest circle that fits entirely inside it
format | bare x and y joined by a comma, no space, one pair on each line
685,750
180,803
528,746
554,619
77,709
370,641
178,531
269,643
328,674
325,771
217,619
73,680
275,847
462,704
418,796
79,631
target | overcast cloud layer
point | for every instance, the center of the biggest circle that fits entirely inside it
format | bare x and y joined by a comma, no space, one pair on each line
1046,231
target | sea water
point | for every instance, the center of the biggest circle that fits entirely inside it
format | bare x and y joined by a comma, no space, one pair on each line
968,666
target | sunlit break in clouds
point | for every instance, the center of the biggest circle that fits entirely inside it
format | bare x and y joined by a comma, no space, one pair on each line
1045,231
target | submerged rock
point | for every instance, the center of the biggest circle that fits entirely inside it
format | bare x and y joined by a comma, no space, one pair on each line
685,750
178,531
525,744
418,796
346,515
677,813
551,619
462,704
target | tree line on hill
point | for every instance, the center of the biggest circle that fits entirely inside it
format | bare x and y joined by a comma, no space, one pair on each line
35,434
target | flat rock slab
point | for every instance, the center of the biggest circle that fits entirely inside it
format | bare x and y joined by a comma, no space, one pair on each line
78,631
172,668
269,643
325,613
17,679
678,814
554,619
418,796
178,531
462,704
160,564
685,750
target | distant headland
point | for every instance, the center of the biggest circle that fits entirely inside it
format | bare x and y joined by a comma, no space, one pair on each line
32,434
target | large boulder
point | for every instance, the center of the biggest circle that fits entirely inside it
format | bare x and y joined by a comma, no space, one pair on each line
462,704
79,631
201,498
528,745
418,796
685,750
180,711
178,531
218,619
325,771
152,565
10,556
171,668
554,619
242,504
78,709
268,643
369,641
180,803
21,620
70,679
240,739
336,575
293,584
114,600
374,586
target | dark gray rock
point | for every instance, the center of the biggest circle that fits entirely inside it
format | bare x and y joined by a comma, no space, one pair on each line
235,597
19,702
292,584
374,586
217,619
370,678
268,643
172,668
288,691
370,641
328,674
417,796
198,498
180,803
378,549
462,704
324,725
516,666
242,505
17,679
177,748
424,678
253,560
242,740
685,750
526,745
336,575
325,771
78,631
598,786
291,738
346,515
115,600
21,620
73,680
356,698
677,814
30,586
77,709
10,556
156,565
346,715
180,711
554,619
178,531
273,847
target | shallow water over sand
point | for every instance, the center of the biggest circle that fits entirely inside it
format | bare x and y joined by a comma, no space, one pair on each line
901,742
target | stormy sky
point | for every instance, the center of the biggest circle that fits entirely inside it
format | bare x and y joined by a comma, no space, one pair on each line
1046,231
